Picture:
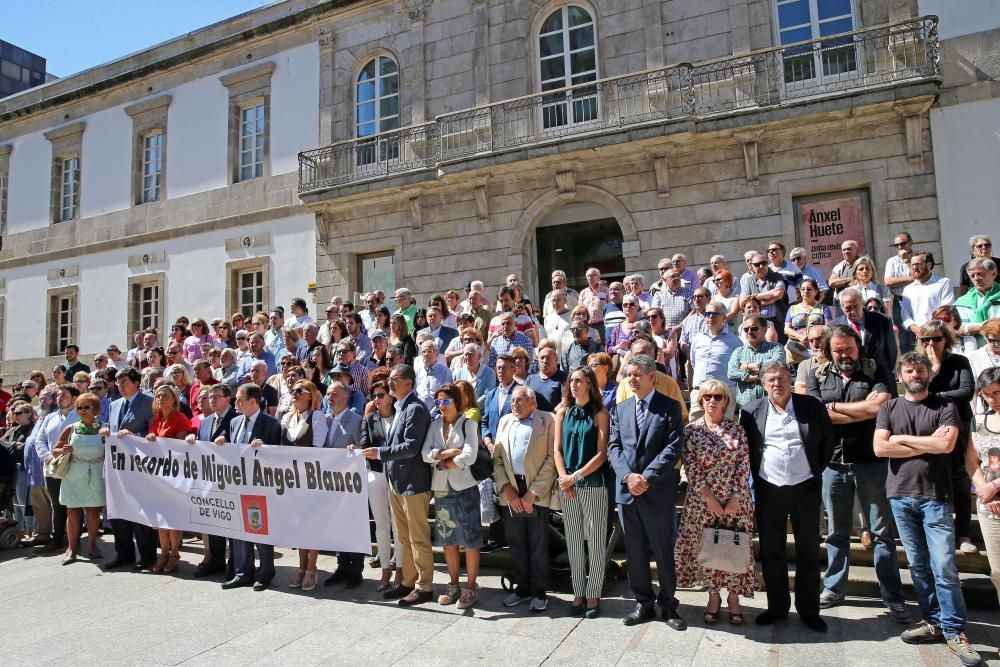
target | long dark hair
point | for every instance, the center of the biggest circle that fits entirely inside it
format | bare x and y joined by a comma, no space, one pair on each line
986,378
595,400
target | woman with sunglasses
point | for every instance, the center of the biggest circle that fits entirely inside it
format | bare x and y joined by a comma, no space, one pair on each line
82,487
224,336
168,422
983,465
716,459
451,446
304,426
239,322
375,433
582,428
290,374
964,345
805,313
178,375
724,294
951,377
22,421
199,336
987,356
601,364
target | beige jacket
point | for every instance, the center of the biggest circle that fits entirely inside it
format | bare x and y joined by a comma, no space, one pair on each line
539,466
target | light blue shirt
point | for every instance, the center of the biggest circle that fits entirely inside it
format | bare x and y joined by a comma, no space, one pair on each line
520,438
428,380
710,356
482,382
52,428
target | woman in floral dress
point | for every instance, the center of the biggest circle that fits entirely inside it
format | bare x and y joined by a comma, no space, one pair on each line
717,462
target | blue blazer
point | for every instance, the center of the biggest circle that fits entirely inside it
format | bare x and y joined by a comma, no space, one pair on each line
651,453
492,412
446,335
346,432
211,428
136,419
267,428
402,453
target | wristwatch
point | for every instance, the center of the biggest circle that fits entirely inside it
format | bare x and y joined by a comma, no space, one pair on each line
577,477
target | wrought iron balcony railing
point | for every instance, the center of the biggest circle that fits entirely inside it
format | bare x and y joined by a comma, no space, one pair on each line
868,59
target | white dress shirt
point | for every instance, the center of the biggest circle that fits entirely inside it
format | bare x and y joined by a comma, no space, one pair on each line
784,461
921,298
520,438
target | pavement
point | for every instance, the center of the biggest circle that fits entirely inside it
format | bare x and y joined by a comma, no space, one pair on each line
79,615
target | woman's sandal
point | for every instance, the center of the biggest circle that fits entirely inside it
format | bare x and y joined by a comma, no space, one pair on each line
735,617
712,617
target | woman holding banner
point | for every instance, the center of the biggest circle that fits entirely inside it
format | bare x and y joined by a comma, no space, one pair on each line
304,425
82,488
168,422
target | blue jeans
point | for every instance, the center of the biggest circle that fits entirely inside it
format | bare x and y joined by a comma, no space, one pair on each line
839,487
928,535
26,523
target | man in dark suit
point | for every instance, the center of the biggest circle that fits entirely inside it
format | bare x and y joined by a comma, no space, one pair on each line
410,487
213,426
344,431
495,404
646,441
875,329
791,440
442,334
252,427
132,412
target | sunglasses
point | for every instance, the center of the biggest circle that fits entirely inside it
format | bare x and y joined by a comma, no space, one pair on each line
770,250
286,363
983,246
379,396
900,245
712,397
751,329
298,391
758,264
85,408
440,402
932,339
177,372
993,341
711,313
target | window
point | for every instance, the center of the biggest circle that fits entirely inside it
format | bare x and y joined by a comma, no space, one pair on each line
62,319
152,166
145,303
567,56
377,109
249,121
251,292
251,142
377,271
69,194
802,20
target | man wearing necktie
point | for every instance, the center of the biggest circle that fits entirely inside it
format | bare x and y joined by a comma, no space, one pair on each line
215,425
132,412
252,427
877,337
646,440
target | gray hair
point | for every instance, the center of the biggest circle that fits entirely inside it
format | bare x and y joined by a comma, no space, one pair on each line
472,347
560,273
850,292
423,337
748,254
259,363
638,277
643,362
772,365
719,306
981,262
976,239
799,250
527,391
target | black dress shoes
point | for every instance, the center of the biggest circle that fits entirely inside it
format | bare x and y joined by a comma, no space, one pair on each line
397,593
261,585
813,622
338,577
353,582
203,572
235,582
115,563
674,620
769,617
639,615
143,565
416,596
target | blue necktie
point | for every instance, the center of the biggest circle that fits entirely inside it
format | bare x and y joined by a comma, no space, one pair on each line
244,437
640,415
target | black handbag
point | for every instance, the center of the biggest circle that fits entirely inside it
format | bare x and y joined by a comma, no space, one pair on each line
482,468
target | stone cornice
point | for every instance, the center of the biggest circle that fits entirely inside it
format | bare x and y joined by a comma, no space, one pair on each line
65,131
147,106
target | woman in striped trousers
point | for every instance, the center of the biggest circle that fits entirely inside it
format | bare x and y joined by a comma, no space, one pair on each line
581,454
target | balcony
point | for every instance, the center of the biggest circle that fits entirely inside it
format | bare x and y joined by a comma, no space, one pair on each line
864,60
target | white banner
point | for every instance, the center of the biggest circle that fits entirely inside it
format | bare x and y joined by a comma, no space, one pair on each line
306,497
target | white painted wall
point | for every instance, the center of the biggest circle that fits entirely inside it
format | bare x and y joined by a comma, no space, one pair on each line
195,284
29,183
197,135
106,163
962,17
966,163
294,106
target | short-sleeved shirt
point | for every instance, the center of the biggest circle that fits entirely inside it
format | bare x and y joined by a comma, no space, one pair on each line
750,284
853,443
926,476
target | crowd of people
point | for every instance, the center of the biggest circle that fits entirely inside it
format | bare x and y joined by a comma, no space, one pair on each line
499,413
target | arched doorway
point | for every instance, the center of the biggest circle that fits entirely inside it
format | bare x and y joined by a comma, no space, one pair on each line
575,237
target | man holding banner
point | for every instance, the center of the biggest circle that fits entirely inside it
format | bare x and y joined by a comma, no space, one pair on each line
256,428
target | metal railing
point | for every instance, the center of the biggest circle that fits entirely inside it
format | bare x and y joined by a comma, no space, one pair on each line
862,60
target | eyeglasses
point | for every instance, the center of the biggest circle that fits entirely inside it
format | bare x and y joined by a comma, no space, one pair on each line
83,382
796,258
298,391
932,339
982,246
751,329
758,264
629,304
285,363
901,244
712,313
712,397
770,250
379,395
85,408
442,402
653,316
177,372
701,296
993,341
916,265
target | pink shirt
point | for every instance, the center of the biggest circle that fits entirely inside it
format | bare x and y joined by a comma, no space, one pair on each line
594,302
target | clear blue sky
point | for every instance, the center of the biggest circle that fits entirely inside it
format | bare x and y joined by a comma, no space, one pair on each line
73,35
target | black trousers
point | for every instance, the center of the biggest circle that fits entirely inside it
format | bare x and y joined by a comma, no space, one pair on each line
650,525
58,510
217,545
128,536
351,563
528,539
775,504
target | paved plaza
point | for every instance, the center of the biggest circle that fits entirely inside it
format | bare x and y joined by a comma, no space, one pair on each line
80,615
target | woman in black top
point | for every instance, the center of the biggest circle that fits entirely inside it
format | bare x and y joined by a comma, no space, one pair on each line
399,335
22,420
951,377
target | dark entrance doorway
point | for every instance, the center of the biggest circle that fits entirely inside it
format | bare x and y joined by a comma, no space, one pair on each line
575,246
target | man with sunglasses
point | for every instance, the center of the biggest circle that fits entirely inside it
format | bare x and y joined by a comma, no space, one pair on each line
344,431
710,353
980,245
853,388
769,287
814,341
747,360
789,272
897,276
840,275
924,294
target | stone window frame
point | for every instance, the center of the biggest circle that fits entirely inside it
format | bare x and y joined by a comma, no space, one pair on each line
67,143
234,270
247,87
149,117
5,151
135,287
534,56
53,297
